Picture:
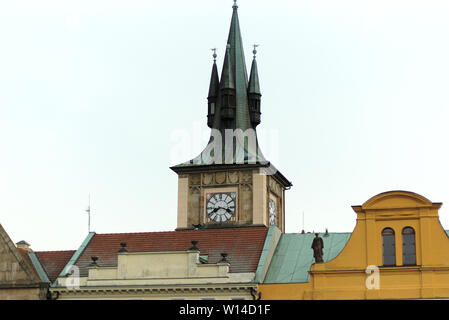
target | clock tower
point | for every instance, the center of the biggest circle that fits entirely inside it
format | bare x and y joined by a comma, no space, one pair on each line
230,183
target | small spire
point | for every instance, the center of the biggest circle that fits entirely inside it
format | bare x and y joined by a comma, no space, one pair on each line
235,6
253,84
227,76
214,80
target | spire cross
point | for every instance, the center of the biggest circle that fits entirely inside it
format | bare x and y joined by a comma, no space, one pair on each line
215,54
255,51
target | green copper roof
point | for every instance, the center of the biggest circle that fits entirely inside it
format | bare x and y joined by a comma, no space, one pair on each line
253,86
38,267
294,256
227,75
271,235
75,256
238,65
214,82
235,77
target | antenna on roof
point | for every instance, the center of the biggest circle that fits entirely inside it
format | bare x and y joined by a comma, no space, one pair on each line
88,214
303,229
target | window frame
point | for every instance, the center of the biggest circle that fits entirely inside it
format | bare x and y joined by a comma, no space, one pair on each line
404,254
393,235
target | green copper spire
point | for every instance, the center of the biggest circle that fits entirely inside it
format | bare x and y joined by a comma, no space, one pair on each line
253,86
236,58
214,88
214,81
254,92
227,75
234,113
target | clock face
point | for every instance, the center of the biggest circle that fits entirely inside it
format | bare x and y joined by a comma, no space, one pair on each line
220,207
272,211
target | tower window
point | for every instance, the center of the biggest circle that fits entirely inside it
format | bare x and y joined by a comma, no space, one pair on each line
389,248
408,247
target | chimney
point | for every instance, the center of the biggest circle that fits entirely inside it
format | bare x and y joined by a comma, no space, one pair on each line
223,258
24,245
94,262
194,247
123,247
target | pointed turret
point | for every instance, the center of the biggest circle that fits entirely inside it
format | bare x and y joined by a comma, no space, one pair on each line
227,92
227,74
231,166
213,92
236,59
235,107
254,92
253,86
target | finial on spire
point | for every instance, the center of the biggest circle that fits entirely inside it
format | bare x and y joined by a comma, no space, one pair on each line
215,54
255,51
235,6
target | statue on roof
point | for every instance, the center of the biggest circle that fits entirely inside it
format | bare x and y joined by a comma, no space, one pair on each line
317,246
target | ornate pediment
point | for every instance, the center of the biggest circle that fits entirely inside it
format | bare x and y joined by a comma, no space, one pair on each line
397,200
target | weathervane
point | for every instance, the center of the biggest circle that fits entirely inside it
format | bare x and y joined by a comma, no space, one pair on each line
255,51
215,54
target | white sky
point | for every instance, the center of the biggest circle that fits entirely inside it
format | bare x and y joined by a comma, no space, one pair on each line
92,94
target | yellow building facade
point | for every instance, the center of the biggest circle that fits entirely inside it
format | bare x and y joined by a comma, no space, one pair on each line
398,250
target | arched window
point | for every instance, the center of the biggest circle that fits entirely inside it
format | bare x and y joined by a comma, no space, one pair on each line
389,250
408,247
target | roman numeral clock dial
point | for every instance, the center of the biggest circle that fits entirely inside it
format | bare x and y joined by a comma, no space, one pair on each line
220,207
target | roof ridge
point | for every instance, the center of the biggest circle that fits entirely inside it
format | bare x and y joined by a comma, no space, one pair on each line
173,231
312,233
55,251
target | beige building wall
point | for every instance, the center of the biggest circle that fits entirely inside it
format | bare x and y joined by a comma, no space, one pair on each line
159,275
183,194
18,279
21,294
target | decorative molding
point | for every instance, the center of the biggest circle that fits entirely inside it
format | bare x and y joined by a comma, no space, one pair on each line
208,178
156,290
220,177
195,179
233,177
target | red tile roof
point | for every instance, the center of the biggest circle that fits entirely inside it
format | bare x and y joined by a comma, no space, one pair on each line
243,246
54,261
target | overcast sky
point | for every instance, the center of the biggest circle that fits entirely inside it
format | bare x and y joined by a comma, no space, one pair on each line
95,95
